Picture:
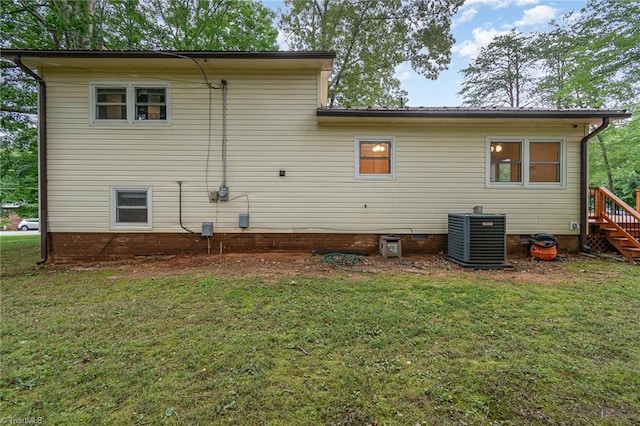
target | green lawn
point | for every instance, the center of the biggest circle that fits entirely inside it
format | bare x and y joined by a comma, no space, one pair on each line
103,347
19,253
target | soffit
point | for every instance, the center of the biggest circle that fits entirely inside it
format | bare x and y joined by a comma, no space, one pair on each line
322,61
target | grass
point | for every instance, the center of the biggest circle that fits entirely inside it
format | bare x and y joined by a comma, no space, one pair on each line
18,253
97,347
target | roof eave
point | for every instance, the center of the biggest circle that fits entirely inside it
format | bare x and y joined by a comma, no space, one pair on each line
453,113
139,54
241,60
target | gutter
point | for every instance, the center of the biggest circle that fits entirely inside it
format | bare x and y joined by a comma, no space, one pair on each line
155,54
584,149
42,157
464,112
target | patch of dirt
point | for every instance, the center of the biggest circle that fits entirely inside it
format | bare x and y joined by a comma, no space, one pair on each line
284,265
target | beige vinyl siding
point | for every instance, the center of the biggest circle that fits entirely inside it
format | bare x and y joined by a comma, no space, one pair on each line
272,126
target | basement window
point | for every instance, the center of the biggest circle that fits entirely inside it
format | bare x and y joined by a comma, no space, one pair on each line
130,207
375,158
526,162
129,103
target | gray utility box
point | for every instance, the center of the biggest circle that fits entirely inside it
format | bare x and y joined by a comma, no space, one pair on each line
477,239
207,229
390,246
243,221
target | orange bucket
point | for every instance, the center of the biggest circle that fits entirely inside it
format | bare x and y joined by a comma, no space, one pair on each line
543,253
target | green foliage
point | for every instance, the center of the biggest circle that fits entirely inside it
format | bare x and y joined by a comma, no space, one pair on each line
554,53
622,144
134,25
502,74
18,141
18,96
370,39
592,59
53,24
589,60
128,25
215,25
605,71
606,61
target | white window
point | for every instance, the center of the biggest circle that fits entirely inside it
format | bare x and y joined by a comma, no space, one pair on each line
130,207
111,103
129,103
526,162
375,157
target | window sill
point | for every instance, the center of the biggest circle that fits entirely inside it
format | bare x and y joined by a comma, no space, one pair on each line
374,177
107,124
131,227
526,186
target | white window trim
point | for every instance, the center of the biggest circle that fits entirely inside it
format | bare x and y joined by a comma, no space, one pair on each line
525,162
113,204
131,102
370,176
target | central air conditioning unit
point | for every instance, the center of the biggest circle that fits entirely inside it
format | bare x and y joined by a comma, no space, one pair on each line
478,240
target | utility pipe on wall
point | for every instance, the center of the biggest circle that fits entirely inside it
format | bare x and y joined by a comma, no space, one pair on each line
224,190
584,183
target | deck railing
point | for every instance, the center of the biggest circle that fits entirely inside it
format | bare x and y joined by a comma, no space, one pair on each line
606,207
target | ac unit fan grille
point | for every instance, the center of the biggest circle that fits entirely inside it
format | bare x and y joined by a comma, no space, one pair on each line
477,238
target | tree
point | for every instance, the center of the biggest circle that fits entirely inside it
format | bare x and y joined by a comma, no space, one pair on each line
215,25
53,24
371,38
18,155
592,59
127,25
18,141
622,175
554,51
502,74
138,24
607,55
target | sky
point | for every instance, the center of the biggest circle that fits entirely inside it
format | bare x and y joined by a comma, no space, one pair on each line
474,26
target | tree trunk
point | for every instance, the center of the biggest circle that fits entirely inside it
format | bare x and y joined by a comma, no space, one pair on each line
605,159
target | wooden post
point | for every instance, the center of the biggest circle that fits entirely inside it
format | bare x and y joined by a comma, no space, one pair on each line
598,203
638,199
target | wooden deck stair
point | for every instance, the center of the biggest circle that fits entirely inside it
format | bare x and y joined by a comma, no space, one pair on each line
617,222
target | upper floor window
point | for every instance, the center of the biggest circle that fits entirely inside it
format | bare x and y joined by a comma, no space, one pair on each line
375,157
526,161
111,103
129,103
151,103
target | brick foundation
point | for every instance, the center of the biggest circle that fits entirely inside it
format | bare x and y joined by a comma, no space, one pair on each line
69,247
